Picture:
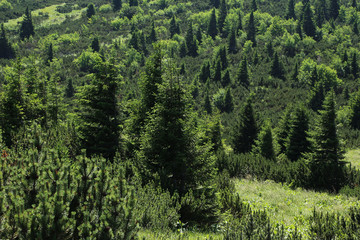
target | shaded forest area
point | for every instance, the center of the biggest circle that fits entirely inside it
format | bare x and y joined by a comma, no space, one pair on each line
122,117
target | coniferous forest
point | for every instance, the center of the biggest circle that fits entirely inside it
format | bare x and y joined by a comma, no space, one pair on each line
147,119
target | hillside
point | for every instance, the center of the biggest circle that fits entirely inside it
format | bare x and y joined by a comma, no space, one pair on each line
129,119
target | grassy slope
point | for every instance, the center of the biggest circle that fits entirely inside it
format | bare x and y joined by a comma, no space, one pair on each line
353,156
289,206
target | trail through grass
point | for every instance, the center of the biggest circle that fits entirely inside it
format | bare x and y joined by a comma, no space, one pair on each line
288,206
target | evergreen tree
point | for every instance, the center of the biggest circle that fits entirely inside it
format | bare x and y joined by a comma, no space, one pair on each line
223,58
326,164
270,49
199,35
295,73
334,9
283,130
356,28
207,104
354,4
69,90
254,7
174,27
95,46
308,23
50,54
245,130
251,30
217,71
90,11
298,142
117,4
99,114
182,50
142,43
226,80
153,37
133,3
290,13
277,69
228,105
264,144
212,27
204,72
222,16
243,74
239,23
6,50
170,148
191,43
215,3
232,42
298,29
214,134
354,66
320,12
26,28
317,96
134,40
355,111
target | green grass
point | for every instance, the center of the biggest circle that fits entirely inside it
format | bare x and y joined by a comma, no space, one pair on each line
288,206
353,156
147,234
54,17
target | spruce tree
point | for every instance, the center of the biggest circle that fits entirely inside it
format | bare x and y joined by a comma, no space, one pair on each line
290,13
26,28
214,134
223,58
217,71
226,80
320,12
212,27
133,3
95,46
174,27
354,66
295,73
207,104
99,113
264,144
90,11
239,25
182,50
199,35
232,42
191,43
153,37
69,90
204,72
317,95
277,69
354,118
251,30
117,4
228,103
50,54
254,7
334,9
215,3
6,50
134,40
222,16
326,164
243,74
308,22
245,130
298,142
354,4
283,130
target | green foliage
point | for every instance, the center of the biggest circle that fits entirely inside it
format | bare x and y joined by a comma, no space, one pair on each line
308,22
174,27
243,74
251,29
117,4
212,30
264,143
95,46
191,43
90,11
290,13
277,70
6,50
88,60
26,28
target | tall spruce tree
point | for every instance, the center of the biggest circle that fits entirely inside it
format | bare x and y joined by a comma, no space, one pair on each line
191,43
152,36
239,25
308,22
90,11
207,104
232,41
243,74
69,90
133,3
228,103
326,164
254,7
100,126
26,27
244,130
354,4
354,118
215,3
264,143
320,12
6,50
212,27
174,27
354,66
95,45
222,16
290,12
251,29
217,71
226,80
283,129
204,72
298,142
49,54
277,70
334,9
117,4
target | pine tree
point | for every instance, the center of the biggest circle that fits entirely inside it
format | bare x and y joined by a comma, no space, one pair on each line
182,50
174,27
251,30
290,13
90,11
245,130
354,66
317,96
134,40
207,104
6,50
254,7
69,90
264,144
320,12
133,3
334,9
308,22
50,54
222,16
95,46
355,111
117,4
295,73
277,69
283,130
226,80
217,71
153,37
191,43
214,134
243,74
204,72
232,42
326,164
298,135
199,35
99,114
215,3
239,25
212,27
26,28
222,53
228,103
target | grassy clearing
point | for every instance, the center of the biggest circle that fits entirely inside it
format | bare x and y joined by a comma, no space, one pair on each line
145,234
353,156
54,17
288,206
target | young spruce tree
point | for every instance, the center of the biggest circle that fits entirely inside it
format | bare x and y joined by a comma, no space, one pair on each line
26,27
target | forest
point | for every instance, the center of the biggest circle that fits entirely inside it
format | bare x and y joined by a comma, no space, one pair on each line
179,119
